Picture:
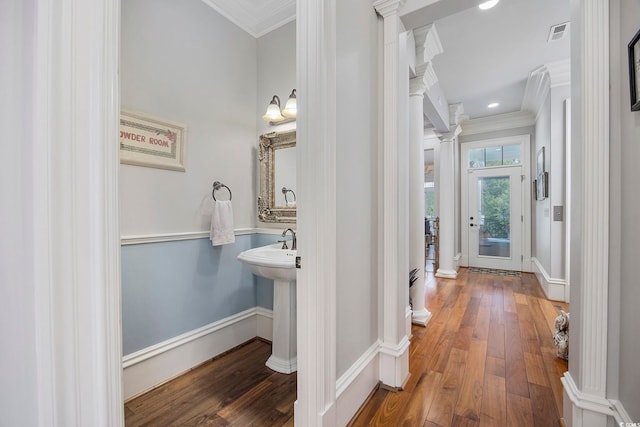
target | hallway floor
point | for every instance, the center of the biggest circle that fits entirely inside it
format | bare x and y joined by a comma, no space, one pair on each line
486,358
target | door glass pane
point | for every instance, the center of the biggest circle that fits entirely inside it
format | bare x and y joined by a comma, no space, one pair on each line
493,156
476,158
494,216
511,155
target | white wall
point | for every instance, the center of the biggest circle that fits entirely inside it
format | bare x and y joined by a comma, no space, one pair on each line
542,208
276,56
276,61
557,179
357,119
185,62
549,235
624,294
19,403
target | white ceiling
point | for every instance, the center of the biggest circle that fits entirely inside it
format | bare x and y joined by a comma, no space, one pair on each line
487,57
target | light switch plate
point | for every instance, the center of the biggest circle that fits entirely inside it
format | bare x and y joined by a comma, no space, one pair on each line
558,213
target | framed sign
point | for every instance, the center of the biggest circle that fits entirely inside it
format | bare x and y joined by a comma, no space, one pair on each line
634,71
151,142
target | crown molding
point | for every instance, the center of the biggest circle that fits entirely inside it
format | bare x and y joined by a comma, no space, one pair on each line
538,86
428,43
253,16
387,8
499,122
559,72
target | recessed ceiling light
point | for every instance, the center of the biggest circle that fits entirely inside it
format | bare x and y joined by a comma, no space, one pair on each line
488,4
493,105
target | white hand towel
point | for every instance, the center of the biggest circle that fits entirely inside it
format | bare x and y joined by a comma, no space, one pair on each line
222,223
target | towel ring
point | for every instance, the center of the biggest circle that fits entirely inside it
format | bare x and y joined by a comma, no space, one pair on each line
218,185
286,190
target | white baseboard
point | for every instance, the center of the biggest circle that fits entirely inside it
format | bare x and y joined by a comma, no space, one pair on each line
152,366
553,288
264,318
457,261
355,385
585,410
394,363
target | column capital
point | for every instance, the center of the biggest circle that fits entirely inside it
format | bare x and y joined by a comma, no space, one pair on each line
418,85
387,8
428,43
450,136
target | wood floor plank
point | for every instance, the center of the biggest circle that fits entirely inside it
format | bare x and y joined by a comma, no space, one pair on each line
421,399
545,332
459,421
555,369
516,373
442,407
543,406
494,401
469,402
495,366
463,338
481,329
367,412
509,300
536,373
519,411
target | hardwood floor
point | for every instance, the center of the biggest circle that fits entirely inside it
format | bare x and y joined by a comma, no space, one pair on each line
236,389
486,358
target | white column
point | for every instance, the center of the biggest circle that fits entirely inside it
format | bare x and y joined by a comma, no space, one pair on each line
394,356
67,157
587,392
420,315
316,156
446,236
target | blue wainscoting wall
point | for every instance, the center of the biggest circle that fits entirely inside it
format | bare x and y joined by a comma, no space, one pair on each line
170,288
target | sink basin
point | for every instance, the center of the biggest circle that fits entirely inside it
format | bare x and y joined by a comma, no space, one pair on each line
271,262
278,265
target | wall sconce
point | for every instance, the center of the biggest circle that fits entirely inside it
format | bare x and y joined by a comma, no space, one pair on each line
274,115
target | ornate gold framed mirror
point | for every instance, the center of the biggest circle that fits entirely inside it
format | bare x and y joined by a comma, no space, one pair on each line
277,156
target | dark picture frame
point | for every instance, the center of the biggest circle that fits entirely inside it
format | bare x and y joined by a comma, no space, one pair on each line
541,186
634,71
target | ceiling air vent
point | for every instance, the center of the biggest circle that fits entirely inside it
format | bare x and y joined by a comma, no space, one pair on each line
558,32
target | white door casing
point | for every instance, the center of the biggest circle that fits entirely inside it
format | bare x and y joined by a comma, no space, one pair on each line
524,141
498,251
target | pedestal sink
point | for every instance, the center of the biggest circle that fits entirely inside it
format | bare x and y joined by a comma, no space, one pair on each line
278,264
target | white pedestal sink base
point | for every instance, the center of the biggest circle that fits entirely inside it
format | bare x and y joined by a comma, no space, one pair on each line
284,346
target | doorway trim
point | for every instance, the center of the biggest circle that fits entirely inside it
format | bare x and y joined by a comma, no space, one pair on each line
76,251
525,143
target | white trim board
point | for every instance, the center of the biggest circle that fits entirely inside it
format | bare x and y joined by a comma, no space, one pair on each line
187,235
355,385
586,402
154,365
553,288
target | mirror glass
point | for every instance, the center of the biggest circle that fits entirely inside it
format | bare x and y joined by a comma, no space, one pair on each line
277,155
284,168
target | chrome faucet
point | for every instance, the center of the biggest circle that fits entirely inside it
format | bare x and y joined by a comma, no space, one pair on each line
294,245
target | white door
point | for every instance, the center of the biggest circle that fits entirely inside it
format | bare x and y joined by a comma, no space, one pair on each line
495,218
